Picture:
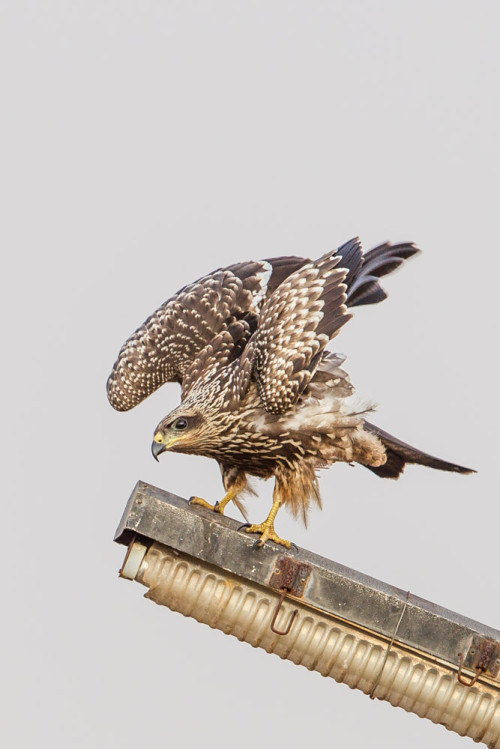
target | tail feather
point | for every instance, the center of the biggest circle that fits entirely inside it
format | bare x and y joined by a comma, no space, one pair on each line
400,453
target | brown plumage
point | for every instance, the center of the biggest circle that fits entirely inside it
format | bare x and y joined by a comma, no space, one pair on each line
260,393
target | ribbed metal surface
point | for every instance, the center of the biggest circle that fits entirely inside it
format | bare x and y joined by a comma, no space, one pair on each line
372,605
323,643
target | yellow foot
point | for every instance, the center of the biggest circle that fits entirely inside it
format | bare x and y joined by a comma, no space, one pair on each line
268,533
217,507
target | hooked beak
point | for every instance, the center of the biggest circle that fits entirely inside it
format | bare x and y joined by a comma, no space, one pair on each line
157,448
163,442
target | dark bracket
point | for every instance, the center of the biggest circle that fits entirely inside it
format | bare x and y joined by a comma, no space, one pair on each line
290,576
483,657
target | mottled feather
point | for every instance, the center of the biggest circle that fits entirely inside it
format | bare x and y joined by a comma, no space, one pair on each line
164,347
296,323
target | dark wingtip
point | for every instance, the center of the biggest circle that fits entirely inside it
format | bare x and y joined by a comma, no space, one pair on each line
467,471
400,453
444,465
365,271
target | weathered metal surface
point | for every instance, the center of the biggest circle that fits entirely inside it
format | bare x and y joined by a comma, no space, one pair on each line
338,591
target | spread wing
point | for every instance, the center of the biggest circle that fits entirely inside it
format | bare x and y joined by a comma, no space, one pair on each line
195,332
165,347
295,324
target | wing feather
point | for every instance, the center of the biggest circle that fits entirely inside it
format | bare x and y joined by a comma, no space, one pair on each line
166,345
180,338
295,324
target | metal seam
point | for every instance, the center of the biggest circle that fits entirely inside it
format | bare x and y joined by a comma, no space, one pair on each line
389,646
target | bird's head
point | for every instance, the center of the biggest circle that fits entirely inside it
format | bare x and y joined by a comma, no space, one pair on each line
183,430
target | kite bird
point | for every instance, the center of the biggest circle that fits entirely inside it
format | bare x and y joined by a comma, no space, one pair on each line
260,393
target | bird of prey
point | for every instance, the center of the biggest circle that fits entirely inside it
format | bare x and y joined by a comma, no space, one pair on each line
260,393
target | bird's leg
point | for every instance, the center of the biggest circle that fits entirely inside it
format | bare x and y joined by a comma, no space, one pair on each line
218,506
267,528
235,481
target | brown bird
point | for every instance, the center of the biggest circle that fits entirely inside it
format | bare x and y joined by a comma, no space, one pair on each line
260,393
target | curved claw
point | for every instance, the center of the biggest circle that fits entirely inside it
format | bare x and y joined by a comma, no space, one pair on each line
202,503
217,507
267,532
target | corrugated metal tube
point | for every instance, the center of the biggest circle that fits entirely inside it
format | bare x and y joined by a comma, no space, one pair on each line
379,666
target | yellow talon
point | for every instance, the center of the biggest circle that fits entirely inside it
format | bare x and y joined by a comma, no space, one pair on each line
218,506
268,533
266,529
202,502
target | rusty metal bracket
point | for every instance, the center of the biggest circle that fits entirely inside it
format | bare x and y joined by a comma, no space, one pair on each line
483,657
291,577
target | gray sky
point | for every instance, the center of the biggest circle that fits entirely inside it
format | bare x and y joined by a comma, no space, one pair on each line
143,144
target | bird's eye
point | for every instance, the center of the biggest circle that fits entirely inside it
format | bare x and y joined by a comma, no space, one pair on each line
180,424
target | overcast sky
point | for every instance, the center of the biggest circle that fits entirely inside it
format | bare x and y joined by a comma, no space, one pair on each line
144,144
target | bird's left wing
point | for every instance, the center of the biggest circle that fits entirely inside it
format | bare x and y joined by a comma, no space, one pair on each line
296,322
164,348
